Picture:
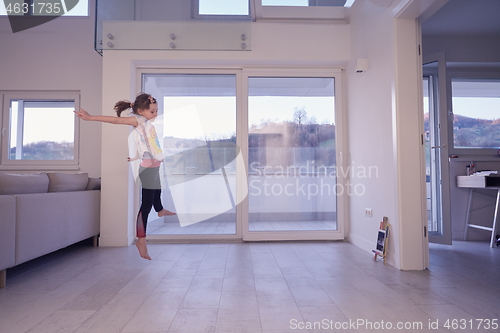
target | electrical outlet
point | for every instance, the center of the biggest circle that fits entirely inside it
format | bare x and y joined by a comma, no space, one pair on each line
368,212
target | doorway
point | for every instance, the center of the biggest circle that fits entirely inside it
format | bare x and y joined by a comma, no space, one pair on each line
250,154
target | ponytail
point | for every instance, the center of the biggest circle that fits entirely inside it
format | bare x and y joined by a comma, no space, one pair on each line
122,106
142,102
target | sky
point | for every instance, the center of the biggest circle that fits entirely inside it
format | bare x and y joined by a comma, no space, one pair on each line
199,117
477,107
281,108
472,99
240,7
41,125
196,117
476,98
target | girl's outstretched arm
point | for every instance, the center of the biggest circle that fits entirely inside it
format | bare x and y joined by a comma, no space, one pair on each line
84,115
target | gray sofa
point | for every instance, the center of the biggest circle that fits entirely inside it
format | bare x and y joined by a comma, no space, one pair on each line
44,212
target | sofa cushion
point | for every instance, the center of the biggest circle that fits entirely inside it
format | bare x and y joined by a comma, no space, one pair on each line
23,183
82,215
65,182
94,184
40,224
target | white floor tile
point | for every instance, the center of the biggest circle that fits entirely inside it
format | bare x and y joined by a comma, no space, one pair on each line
248,287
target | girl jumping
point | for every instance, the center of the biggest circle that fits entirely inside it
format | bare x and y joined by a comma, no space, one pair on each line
144,111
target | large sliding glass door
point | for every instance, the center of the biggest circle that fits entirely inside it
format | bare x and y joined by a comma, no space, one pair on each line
250,157
197,125
292,155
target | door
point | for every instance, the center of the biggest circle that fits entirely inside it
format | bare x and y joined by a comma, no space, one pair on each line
252,154
293,150
436,150
197,127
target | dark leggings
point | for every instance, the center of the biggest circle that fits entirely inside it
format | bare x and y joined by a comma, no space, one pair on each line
151,197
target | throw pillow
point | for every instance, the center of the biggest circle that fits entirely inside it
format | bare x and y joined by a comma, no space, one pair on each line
66,182
23,183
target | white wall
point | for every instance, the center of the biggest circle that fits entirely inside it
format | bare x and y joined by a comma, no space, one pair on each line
384,129
464,48
382,106
58,55
370,128
273,45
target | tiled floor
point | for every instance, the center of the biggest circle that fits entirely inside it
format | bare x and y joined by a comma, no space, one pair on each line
251,287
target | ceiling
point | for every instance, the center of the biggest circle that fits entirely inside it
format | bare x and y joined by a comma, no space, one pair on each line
465,17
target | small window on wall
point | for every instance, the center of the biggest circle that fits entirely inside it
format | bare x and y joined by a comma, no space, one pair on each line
285,2
221,9
476,113
39,129
303,3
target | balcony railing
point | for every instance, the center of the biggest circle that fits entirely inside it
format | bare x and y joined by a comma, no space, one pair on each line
137,25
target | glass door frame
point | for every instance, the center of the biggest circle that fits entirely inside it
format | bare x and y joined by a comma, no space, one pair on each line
442,113
239,167
242,209
335,73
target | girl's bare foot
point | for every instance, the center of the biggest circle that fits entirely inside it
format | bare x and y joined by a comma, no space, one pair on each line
143,248
165,212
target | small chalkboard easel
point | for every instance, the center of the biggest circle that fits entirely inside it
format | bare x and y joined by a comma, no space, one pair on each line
382,237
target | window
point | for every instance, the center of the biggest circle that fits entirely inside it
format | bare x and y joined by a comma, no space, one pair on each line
476,116
199,144
221,9
285,2
251,153
329,10
292,154
39,129
235,7
44,8
269,9
304,3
